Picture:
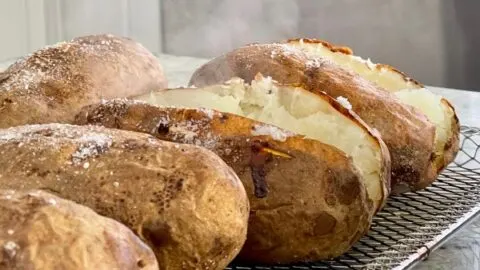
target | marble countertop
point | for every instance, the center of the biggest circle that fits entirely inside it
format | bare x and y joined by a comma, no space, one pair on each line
462,252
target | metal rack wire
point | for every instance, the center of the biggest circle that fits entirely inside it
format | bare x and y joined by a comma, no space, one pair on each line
414,224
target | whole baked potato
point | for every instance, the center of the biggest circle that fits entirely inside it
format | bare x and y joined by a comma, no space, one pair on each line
407,132
182,200
307,196
41,231
52,84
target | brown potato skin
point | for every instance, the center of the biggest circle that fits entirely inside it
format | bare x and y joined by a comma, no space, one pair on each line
316,207
52,84
182,200
407,133
451,146
42,231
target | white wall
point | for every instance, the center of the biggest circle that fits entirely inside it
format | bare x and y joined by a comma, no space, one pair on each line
27,25
22,27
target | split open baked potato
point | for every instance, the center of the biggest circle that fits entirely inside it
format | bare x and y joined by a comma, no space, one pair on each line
436,108
410,135
309,200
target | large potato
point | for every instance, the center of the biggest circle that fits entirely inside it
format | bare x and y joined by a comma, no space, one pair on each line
409,135
307,197
436,108
41,231
53,83
182,200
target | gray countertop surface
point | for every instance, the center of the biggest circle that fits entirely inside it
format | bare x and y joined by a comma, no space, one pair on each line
462,252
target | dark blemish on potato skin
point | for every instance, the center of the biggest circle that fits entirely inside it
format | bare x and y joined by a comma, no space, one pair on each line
258,176
116,123
257,165
158,233
7,100
404,175
349,190
324,224
448,144
32,171
43,174
179,185
163,129
223,118
141,263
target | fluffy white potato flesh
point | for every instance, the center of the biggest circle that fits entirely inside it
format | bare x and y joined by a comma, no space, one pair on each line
294,110
440,114
430,104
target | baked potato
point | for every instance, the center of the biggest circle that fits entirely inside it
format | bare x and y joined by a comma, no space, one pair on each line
436,108
41,231
53,83
307,197
181,200
406,131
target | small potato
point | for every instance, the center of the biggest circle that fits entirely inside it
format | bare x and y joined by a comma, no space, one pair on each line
41,231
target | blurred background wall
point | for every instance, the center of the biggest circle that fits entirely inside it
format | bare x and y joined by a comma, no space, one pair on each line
434,41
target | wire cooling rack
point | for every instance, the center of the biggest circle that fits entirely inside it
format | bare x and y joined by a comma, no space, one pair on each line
414,224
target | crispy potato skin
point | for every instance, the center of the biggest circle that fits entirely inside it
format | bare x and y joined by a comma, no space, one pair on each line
316,206
53,83
43,231
182,200
406,131
451,146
